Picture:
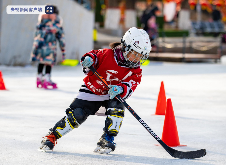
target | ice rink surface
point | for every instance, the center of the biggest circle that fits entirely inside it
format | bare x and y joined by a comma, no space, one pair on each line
197,91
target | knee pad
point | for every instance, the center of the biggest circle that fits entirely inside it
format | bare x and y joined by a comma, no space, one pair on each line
114,103
73,120
113,121
76,116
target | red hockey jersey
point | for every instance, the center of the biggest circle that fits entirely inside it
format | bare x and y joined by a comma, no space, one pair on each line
106,65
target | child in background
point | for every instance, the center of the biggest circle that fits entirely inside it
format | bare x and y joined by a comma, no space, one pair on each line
152,28
48,31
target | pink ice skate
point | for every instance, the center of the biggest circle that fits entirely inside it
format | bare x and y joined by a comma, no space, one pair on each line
49,85
39,83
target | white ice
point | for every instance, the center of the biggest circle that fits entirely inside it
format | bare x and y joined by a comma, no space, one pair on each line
197,91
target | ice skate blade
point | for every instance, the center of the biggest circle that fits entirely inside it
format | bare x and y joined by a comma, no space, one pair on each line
50,88
41,150
101,150
39,86
45,149
97,149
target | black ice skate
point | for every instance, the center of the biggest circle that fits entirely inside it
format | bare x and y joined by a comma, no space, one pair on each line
106,144
48,142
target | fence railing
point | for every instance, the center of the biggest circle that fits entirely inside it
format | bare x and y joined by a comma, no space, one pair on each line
186,42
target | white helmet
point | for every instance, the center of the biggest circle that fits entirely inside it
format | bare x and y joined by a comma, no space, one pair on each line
136,40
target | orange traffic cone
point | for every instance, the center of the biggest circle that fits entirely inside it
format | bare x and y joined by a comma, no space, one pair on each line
170,133
2,85
161,103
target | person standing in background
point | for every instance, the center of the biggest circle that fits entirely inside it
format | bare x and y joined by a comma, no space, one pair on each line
147,14
152,28
216,14
44,50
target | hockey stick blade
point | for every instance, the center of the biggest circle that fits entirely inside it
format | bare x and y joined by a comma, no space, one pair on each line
174,153
190,154
186,155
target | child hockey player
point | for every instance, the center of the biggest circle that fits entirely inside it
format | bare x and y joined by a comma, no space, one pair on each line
120,67
48,31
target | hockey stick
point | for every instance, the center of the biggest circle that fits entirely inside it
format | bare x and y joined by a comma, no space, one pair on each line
174,153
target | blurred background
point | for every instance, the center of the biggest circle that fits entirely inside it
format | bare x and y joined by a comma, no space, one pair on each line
180,30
